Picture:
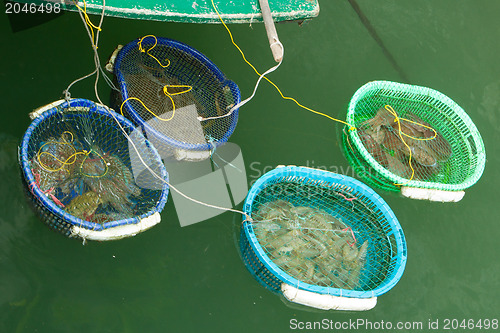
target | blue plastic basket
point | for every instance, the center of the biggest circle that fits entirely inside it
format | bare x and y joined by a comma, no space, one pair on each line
368,216
100,128
140,75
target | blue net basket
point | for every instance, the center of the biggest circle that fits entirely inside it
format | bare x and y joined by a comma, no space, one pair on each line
83,176
321,232
168,87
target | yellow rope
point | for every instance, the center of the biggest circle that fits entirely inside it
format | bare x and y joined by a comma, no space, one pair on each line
397,120
165,89
186,88
169,95
152,47
63,163
102,158
351,127
91,25
414,122
72,156
147,109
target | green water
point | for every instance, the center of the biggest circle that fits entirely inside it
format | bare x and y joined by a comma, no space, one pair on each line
192,279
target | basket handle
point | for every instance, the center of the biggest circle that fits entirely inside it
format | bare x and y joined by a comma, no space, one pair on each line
38,111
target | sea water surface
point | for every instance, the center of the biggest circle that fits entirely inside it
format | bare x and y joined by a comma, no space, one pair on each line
192,279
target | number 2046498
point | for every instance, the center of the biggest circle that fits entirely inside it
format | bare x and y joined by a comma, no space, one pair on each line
470,324
32,8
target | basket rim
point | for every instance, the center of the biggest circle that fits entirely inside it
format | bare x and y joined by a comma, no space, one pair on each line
424,91
48,203
201,58
332,178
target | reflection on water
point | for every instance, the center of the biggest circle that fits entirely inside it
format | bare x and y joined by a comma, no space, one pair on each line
490,104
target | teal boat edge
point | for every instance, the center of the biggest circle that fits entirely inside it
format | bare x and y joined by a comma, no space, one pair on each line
194,11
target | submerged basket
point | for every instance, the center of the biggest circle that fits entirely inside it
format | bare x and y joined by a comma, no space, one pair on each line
448,178
168,87
362,214
58,191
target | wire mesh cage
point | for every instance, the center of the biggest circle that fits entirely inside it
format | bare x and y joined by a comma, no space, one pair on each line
77,165
413,139
322,239
169,88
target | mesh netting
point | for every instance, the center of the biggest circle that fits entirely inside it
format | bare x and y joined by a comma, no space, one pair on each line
322,232
394,121
166,86
78,168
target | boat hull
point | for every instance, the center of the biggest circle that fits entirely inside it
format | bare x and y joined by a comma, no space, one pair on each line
194,11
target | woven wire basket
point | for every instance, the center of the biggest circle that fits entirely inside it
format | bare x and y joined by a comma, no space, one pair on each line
447,178
147,79
353,216
60,196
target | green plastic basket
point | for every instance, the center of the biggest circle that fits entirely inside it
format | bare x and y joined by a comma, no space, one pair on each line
462,169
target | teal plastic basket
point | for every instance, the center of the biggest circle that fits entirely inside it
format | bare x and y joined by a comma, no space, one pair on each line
358,206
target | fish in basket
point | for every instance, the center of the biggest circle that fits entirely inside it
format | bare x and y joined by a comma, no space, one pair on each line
184,102
414,140
321,239
76,159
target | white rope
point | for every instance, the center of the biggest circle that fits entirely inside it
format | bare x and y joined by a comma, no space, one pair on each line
240,104
67,94
169,185
96,71
112,86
